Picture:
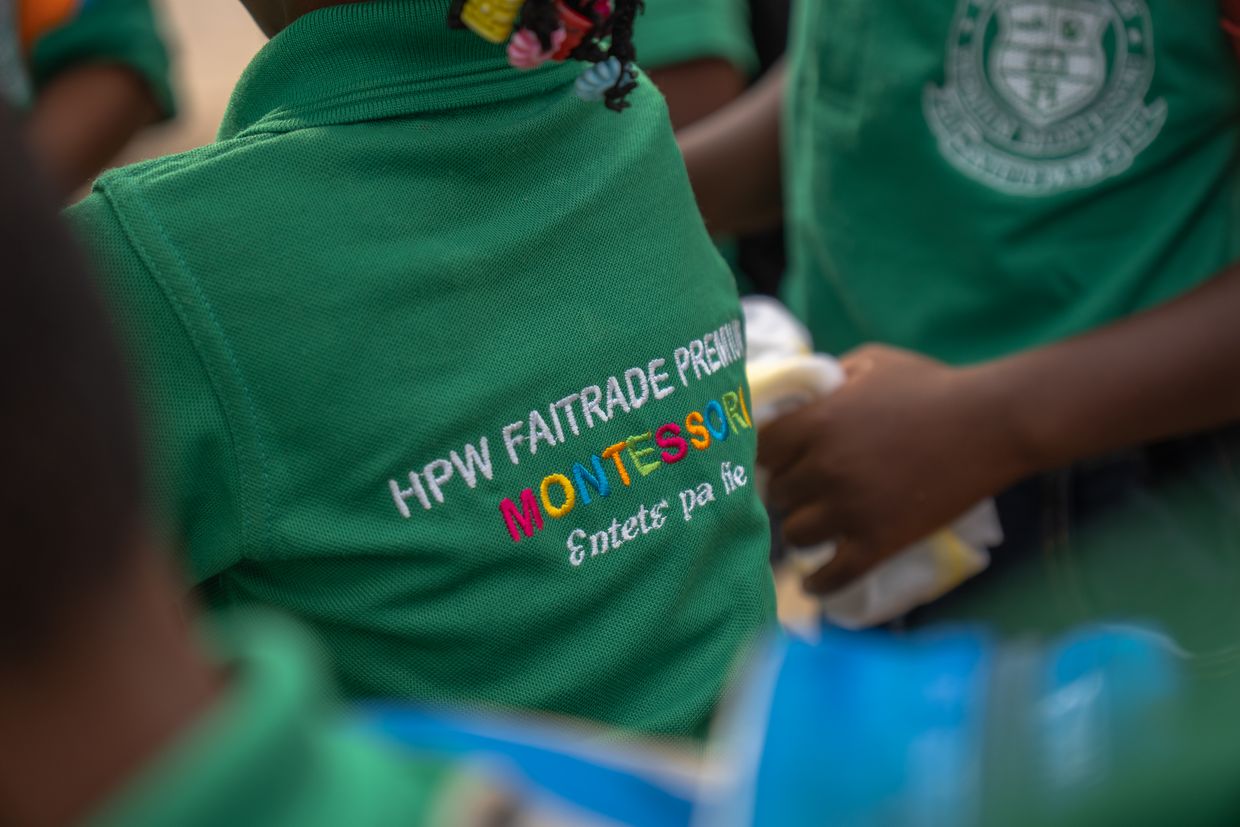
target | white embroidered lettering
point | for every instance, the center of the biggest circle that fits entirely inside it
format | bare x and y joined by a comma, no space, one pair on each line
655,377
734,477
576,551
695,354
615,397
566,405
590,397
402,495
511,440
712,352
635,400
436,473
474,462
555,420
723,342
648,519
539,431
681,356
691,499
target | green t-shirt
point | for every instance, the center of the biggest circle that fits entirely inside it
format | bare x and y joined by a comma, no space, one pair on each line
275,750
977,177
440,359
676,31
108,31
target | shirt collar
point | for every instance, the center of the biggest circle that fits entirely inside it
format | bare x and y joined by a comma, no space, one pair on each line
372,60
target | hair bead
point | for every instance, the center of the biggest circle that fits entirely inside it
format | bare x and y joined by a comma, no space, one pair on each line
599,32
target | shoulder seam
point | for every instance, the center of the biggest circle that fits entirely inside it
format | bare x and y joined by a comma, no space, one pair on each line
155,167
250,533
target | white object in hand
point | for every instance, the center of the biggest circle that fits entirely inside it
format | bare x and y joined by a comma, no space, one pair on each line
785,375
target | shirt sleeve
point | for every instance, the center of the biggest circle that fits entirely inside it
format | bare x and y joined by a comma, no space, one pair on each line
677,31
192,477
121,32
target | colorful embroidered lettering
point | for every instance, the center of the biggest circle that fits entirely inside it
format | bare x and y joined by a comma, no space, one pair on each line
668,436
587,482
528,516
597,480
570,495
553,425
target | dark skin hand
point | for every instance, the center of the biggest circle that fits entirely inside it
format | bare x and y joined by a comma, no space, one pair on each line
697,88
83,117
908,444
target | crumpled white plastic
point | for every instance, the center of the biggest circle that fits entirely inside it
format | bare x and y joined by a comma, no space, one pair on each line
785,374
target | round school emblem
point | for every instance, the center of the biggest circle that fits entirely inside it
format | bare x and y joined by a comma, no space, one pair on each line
1043,96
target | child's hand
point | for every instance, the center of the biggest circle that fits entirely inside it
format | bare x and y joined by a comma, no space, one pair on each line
905,447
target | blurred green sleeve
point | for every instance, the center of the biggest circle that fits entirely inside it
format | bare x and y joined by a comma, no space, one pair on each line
122,32
677,31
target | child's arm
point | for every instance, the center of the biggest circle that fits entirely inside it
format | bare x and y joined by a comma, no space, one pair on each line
98,79
908,444
84,117
733,158
699,54
696,88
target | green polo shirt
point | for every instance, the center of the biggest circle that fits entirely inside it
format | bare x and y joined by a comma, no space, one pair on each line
121,32
275,750
677,31
969,178
440,359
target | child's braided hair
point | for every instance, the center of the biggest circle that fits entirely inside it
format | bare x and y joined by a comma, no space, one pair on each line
609,39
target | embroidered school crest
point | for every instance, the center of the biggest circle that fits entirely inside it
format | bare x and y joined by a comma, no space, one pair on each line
1043,96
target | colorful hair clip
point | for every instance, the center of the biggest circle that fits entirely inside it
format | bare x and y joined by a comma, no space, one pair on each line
576,27
525,50
493,20
598,32
596,80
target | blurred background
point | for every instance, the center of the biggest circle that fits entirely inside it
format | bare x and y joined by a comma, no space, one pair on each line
206,66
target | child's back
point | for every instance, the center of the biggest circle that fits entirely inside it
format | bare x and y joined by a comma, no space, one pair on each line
441,360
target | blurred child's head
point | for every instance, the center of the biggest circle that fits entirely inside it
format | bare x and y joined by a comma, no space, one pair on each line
98,669
70,491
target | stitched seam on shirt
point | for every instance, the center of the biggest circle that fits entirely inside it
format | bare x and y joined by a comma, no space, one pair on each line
262,531
156,169
348,107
